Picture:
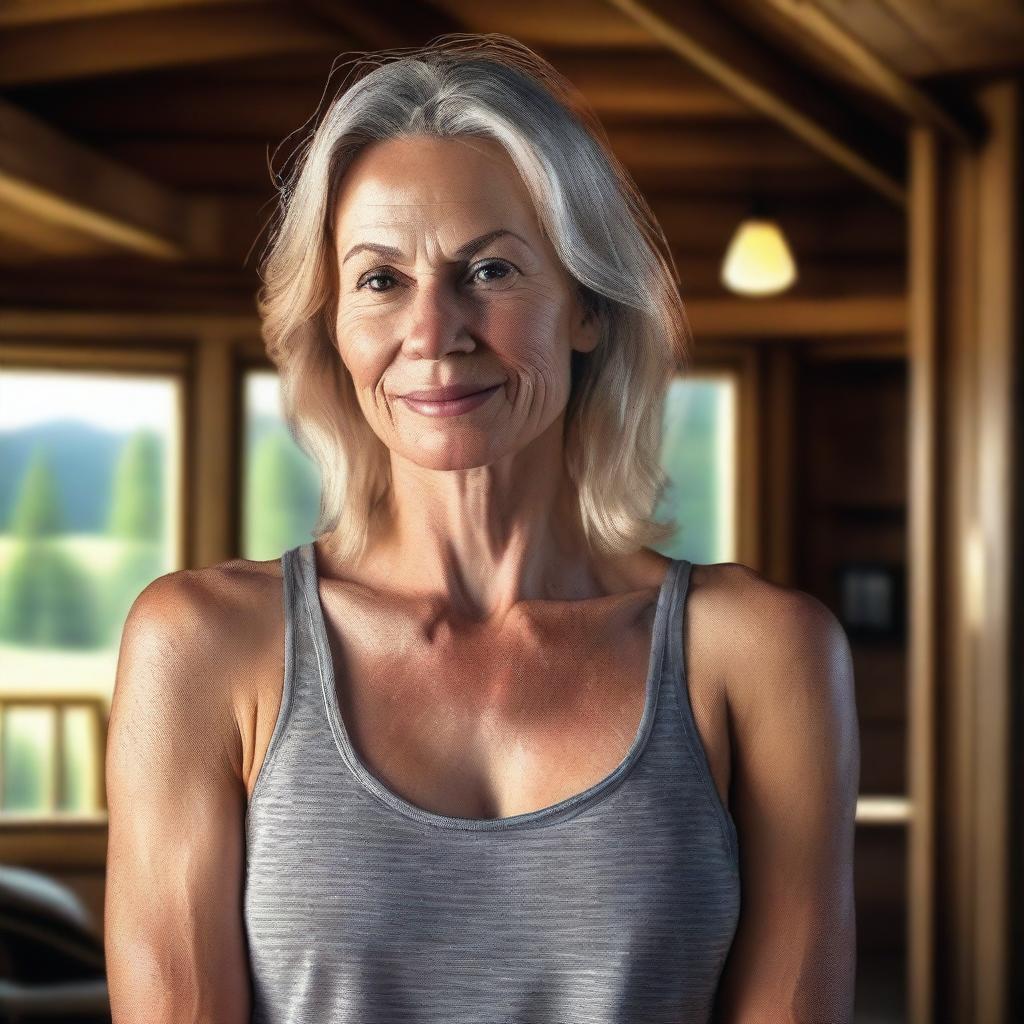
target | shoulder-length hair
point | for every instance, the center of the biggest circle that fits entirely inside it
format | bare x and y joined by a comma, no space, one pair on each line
486,86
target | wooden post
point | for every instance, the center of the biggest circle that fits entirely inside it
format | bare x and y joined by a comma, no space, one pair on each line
965,560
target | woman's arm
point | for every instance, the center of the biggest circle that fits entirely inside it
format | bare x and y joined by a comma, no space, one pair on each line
173,934
796,775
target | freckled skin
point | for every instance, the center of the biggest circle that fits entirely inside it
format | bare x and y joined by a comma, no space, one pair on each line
480,499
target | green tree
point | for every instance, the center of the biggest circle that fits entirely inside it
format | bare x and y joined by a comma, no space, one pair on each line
137,499
47,599
37,505
281,498
137,511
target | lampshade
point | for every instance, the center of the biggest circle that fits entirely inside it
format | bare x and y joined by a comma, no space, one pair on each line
758,260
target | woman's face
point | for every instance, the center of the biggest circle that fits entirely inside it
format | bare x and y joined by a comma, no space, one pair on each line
445,278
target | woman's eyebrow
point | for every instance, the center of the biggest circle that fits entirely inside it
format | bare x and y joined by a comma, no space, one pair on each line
464,251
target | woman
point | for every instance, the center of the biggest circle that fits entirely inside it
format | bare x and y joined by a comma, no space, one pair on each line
463,757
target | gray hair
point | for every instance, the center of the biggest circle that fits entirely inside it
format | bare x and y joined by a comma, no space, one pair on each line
486,86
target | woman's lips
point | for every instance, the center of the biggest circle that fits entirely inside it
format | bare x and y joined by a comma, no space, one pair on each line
453,406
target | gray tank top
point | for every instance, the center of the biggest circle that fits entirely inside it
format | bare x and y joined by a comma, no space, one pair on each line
617,905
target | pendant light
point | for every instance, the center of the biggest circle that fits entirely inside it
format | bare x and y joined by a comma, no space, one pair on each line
758,260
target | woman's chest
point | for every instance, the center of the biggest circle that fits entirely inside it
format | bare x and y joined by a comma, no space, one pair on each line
493,727
495,723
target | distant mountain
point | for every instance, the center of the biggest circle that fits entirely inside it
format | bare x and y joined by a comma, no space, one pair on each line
82,460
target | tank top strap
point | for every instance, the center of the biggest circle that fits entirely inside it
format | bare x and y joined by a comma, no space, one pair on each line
676,735
302,731
676,611
310,648
667,640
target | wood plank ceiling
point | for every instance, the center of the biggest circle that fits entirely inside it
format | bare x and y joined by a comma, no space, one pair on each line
136,135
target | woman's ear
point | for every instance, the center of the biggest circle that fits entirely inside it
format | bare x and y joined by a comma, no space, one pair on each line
586,324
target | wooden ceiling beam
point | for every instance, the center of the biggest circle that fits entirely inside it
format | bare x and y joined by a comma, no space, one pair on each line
858,223
808,108
581,25
149,39
645,85
34,12
767,319
683,146
61,183
382,31
27,238
178,106
187,102
223,162
964,126
821,179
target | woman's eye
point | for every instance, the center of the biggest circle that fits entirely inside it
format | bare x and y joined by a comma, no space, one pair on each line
496,270
494,265
377,275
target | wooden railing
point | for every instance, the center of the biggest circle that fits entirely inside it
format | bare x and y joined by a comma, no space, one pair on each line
56,801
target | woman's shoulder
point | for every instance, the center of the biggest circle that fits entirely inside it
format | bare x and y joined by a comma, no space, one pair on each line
216,595
227,618
746,599
763,631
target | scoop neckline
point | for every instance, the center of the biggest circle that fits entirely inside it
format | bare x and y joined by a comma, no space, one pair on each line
528,819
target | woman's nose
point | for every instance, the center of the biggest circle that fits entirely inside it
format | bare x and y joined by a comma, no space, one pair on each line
438,320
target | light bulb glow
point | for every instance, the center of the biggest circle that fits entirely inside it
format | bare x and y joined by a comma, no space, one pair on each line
758,260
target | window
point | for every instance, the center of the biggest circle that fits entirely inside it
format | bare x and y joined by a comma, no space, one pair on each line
90,482
699,455
280,484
